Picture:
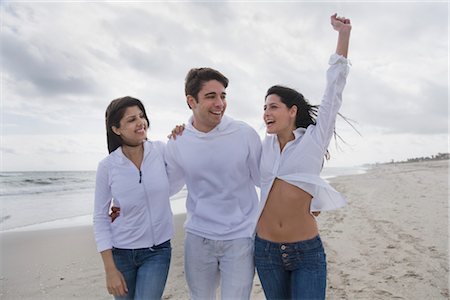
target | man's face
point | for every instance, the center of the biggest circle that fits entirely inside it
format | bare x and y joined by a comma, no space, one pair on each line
211,105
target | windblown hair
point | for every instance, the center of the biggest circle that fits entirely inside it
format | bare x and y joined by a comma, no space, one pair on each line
306,113
114,113
196,77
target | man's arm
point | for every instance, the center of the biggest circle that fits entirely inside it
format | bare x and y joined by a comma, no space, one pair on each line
254,157
174,170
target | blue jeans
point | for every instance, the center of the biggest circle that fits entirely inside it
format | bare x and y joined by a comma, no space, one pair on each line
145,270
291,270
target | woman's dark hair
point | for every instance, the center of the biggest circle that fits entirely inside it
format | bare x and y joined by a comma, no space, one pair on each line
196,77
114,113
306,113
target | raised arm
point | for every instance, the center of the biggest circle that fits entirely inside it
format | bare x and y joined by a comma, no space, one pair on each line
336,79
343,26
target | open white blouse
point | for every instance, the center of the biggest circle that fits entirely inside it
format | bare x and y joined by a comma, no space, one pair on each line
301,160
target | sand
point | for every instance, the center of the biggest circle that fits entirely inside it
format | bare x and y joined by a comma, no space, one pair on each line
390,242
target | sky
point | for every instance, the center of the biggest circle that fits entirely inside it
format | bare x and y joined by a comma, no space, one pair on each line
62,64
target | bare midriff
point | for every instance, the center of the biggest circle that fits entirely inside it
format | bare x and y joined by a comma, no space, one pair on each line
286,215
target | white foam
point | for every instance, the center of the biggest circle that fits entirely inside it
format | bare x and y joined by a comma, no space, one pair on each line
178,207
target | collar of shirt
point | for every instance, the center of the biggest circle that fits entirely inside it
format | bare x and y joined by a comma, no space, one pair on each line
120,157
298,133
221,127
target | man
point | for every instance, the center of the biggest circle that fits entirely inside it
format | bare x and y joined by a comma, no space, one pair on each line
218,159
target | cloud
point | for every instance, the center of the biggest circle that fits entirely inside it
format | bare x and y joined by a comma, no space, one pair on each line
8,150
51,73
64,62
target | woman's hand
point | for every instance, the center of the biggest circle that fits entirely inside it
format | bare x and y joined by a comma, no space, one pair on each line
343,26
115,283
340,23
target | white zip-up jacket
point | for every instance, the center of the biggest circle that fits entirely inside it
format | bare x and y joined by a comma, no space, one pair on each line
221,169
301,160
143,197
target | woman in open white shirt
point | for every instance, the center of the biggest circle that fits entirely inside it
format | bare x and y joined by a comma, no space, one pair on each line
135,248
289,254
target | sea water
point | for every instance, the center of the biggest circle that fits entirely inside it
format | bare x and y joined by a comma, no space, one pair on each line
43,200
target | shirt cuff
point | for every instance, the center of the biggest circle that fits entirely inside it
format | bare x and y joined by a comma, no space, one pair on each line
336,58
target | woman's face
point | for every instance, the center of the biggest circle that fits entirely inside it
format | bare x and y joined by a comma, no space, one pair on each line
277,116
133,126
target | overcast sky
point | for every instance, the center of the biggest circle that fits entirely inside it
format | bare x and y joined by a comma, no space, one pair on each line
62,63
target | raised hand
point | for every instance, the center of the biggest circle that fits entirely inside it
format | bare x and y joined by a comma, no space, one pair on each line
343,26
340,23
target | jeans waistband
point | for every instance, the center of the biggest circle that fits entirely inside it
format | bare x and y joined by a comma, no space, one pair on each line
166,244
313,243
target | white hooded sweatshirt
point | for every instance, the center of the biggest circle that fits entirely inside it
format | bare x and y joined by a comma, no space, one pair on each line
220,169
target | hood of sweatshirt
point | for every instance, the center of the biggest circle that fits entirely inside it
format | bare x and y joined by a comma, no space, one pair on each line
226,126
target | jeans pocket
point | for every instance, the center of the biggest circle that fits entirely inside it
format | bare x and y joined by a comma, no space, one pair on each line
314,261
122,259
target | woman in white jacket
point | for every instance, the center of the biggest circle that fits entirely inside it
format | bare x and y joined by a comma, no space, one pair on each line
135,248
289,254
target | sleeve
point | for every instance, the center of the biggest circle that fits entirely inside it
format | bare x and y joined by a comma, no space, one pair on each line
102,202
174,170
254,157
332,99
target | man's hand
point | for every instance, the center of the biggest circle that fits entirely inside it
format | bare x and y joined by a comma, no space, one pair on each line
178,130
115,212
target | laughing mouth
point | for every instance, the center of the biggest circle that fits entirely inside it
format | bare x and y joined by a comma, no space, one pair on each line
141,130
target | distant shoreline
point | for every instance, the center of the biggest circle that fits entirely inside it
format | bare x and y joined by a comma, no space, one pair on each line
437,157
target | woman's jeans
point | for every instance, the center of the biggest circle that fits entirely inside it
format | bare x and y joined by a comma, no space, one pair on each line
291,270
145,270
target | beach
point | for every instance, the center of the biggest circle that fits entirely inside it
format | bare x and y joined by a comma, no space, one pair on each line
390,242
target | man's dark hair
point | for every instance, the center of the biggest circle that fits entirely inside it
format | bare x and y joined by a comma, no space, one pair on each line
196,77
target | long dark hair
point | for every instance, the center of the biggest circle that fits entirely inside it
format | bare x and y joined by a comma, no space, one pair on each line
306,113
114,113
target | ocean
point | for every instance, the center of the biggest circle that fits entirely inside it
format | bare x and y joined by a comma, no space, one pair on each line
44,200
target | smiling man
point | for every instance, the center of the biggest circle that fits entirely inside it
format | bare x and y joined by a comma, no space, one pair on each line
218,159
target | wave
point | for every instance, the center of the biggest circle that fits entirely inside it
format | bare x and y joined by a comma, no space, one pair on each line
29,191
27,183
39,181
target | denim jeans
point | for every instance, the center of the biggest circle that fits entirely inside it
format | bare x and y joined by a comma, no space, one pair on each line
145,270
208,261
291,270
